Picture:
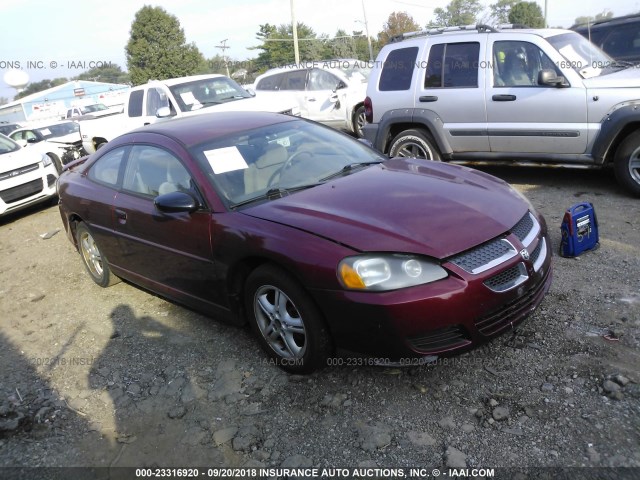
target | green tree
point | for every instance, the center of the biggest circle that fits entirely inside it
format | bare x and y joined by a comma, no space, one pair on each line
397,23
458,12
36,87
277,46
110,73
527,13
157,48
4,100
341,45
500,10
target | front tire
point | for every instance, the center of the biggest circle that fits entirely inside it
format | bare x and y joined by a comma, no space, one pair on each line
627,163
92,257
289,326
414,144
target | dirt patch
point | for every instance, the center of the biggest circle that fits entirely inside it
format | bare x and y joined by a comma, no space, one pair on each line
120,377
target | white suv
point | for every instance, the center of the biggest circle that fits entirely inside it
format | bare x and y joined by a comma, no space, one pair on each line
328,91
510,95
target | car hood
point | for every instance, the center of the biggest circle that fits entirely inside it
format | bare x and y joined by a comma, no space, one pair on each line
65,139
18,159
407,206
627,78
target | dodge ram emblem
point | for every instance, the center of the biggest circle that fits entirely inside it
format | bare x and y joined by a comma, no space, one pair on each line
524,254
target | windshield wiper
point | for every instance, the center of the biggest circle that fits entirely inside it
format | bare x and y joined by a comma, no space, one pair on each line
274,193
349,168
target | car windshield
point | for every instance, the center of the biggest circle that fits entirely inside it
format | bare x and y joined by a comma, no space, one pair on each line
58,130
206,92
278,159
7,145
583,56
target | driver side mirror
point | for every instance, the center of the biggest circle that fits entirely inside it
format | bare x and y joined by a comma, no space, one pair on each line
251,91
163,112
551,79
175,202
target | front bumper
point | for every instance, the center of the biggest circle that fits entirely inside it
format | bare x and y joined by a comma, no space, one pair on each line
446,317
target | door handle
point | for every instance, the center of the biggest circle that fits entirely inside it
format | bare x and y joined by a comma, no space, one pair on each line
428,98
503,98
121,215
312,99
147,123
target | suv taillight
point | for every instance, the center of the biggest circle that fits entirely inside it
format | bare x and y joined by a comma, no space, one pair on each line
368,110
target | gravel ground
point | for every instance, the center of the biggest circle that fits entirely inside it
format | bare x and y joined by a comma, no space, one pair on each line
119,377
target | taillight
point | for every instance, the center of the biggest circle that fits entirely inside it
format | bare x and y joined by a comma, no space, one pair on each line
368,109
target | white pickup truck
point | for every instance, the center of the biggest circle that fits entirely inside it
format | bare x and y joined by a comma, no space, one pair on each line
160,100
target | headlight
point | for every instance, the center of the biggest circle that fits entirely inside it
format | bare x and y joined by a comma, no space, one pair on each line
381,272
46,160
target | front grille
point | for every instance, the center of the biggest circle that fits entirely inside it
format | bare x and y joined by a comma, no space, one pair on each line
526,229
495,321
25,190
18,171
441,339
485,256
508,279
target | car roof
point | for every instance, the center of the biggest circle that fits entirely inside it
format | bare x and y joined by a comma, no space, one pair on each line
196,129
608,22
179,80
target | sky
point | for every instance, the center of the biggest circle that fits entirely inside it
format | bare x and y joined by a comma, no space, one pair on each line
66,37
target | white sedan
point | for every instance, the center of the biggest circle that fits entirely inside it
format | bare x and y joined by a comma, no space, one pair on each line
26,176
61,141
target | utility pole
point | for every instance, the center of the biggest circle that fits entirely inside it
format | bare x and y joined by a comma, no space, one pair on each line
223,47
294,27
366,30
546,23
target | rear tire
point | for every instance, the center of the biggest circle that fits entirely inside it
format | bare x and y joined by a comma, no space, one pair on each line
627,163
289,326
414,144
94,260
359,120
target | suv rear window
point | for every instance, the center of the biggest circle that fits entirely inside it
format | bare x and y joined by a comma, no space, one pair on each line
398,69
453,65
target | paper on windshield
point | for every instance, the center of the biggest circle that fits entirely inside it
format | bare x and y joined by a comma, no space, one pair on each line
223,160
45,131
188,98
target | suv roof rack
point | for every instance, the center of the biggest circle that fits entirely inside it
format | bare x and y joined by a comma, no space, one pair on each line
480,28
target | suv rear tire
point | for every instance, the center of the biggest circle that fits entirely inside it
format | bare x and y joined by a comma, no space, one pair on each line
414,144
627,163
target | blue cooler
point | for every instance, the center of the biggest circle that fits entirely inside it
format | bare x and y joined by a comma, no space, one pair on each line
579,230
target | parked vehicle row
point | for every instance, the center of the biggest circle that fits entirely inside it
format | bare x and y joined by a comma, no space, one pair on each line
161,100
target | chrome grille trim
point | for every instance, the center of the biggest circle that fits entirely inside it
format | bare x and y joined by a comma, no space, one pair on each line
539,255
486,256
19,171
527,229
508,279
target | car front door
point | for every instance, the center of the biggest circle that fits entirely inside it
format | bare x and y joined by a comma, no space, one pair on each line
325,98
525,117
167,250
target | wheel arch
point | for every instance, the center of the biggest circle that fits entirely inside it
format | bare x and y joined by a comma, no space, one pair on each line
396,121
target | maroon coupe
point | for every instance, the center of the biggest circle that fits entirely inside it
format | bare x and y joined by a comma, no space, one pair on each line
318,241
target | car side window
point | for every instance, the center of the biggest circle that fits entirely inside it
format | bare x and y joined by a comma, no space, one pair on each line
107,167
294,80
397,69
453,65
272,82
135,103
321,80
623,42
152,171
156,98
518,64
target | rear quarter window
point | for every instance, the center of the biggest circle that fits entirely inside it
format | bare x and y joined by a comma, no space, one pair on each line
397,69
